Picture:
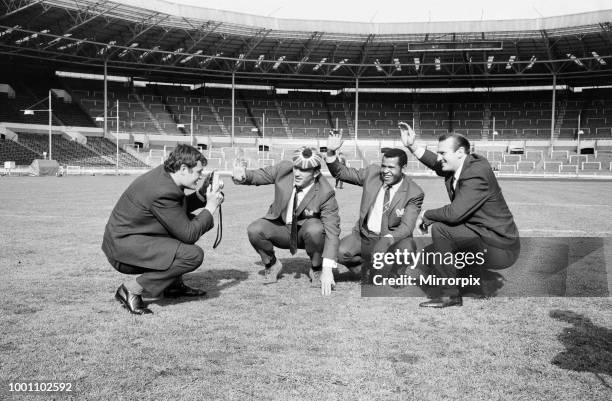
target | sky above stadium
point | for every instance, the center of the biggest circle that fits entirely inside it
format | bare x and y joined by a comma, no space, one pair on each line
404,10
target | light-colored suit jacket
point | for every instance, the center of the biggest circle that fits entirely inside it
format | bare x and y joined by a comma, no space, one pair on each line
405,205
319,203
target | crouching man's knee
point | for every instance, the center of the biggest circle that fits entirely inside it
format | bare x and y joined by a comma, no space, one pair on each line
189,256
254,230
313,229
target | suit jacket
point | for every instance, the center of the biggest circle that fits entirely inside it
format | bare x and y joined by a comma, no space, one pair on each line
319,203
151,219
478,202
405,205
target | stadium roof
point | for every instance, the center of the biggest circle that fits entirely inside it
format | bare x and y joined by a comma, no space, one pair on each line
159,40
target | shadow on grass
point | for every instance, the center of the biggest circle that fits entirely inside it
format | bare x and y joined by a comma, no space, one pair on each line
295,266
300,266
588,347
212,281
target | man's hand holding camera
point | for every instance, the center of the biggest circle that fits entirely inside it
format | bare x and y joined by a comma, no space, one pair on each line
211,191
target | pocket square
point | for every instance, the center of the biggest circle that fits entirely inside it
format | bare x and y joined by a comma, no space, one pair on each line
308,213
399,212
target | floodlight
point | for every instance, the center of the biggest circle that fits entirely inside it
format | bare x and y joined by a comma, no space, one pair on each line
598,58
340,63
378,67
278,62
316,67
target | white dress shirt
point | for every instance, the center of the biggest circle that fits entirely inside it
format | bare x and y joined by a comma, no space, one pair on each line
421,151
457,174
375,217
300,197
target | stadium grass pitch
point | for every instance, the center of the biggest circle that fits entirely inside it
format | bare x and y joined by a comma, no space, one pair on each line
285,341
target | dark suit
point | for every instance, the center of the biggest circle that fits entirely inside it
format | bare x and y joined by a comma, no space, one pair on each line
342,160
317,216
477,218
403,212
150,231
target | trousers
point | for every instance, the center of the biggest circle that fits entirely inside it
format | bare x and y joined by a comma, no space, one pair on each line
265,234
187,259
356,250
458,240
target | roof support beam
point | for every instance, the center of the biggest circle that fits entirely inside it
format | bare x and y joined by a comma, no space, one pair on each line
365,50
249,46
14,7
202,34
310,45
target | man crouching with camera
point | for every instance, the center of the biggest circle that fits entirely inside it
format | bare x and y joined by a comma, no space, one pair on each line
152,232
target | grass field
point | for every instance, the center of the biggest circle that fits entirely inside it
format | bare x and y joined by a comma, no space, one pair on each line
285,341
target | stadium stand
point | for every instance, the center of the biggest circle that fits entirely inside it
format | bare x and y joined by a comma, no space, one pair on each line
16,152
473,96
159,110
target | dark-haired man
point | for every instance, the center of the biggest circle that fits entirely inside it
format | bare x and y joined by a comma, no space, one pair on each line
151,231
477,220
390,206
304,215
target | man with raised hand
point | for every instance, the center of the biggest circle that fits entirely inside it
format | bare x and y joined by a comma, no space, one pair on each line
304,215
390,205
477,220
152,231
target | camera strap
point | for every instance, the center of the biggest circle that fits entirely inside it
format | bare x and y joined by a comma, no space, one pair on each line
219,229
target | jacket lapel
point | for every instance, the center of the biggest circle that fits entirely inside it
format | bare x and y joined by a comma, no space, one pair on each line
400,194
285,190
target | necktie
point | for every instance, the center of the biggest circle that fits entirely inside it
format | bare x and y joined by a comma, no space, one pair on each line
294,227
384,221
452,187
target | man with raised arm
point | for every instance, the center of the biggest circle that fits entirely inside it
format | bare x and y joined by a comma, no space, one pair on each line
304,215
152,231
477,220
390,206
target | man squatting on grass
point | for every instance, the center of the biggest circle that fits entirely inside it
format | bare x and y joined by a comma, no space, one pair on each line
304,215
390,206
477,220
152,232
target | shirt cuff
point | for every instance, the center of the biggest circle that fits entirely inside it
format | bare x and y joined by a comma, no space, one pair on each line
329,263
331,159
419,153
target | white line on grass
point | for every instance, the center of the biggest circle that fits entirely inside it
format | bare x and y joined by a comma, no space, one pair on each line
568,204
582,232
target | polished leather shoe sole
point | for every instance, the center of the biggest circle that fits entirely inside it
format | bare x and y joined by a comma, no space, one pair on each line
135,310
442,302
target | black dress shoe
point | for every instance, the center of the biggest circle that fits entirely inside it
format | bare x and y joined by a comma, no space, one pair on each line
182,290
442,302
132,302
